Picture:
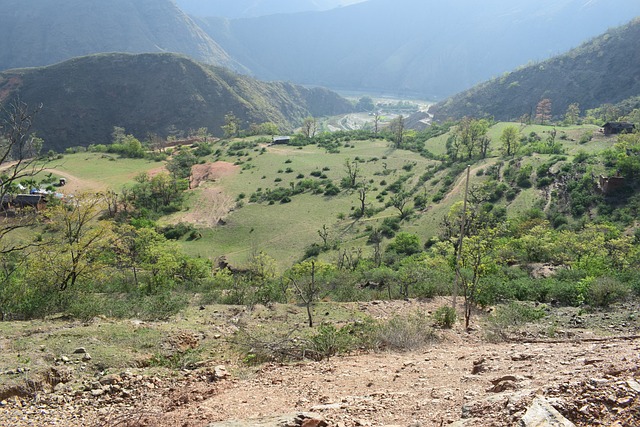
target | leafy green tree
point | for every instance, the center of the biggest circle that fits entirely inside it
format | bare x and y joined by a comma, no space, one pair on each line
572,115
266,128
75,243
634,117
307,280
263,276
203,134
411,274
158,194
627,160
231,127
400,201
365,103
510,139
181,163
309,127
405,244
469,140
124,144
477,260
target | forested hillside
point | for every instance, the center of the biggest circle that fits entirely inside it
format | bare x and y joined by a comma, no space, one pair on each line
601,71
84,98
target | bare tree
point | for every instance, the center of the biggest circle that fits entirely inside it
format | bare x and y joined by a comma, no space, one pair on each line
305,285
363,188
376,122
396,127
543,111
19,149
324,235
353,171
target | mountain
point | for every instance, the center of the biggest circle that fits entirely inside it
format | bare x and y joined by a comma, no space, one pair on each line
84,98
603,70
255,8
425,47
43,32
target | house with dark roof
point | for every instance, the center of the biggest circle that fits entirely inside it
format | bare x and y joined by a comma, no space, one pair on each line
281,140
614,128
21,201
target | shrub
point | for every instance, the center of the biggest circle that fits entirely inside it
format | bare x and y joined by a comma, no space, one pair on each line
405,333
331,190
329,341
586,137
445,317
389,226
507,317
178,360
176,231
312,251
604,291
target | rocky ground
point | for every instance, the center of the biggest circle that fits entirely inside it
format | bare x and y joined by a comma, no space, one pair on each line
461,380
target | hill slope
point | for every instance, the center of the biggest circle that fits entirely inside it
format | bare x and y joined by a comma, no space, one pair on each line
603,70
84,98
425,47
254,8
43,32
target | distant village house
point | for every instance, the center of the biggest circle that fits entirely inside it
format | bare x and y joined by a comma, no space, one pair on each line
281,140
614,128
21,201
610,184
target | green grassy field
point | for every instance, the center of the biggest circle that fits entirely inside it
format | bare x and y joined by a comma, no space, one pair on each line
105,170
285,230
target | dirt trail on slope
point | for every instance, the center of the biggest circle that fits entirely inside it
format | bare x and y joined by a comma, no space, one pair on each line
76,185
212,204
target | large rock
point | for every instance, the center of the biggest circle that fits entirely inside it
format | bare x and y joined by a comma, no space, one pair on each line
542,414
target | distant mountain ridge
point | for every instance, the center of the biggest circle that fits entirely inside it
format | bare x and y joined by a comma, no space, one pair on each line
44,32
84,98
255,8
423,47
603,70
426,48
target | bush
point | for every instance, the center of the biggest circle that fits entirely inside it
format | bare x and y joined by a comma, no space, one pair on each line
389,226
507,317
329,341
331,190
312,251
176,231
605,291
159,306
445,317
405,333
